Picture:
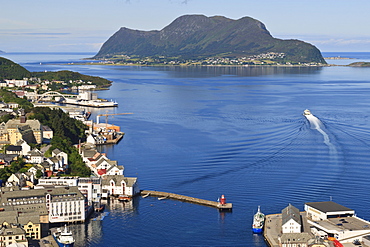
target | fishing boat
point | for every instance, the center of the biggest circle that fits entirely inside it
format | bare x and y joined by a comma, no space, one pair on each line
64,237
306,112
258,221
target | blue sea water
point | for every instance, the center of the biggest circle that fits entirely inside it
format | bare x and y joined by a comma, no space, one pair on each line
237,131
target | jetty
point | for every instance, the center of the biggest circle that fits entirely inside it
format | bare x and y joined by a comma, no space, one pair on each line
222,205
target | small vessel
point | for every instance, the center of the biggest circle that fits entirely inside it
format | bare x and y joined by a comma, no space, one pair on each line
124,198
306,112
100,208
145,196
258,221
64,238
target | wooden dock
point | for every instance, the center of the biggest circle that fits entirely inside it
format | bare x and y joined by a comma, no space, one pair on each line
166,195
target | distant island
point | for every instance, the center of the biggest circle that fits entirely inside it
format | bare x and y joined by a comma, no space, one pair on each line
201,40
360,64
2,52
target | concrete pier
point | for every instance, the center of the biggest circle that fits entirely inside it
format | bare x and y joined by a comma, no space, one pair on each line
166,195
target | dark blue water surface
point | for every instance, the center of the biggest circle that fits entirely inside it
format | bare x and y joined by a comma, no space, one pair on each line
237,131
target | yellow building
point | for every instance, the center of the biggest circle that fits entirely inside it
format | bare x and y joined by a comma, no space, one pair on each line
31,225
18,129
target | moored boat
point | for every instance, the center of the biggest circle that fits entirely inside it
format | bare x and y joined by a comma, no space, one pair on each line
64,238
124,198
258,221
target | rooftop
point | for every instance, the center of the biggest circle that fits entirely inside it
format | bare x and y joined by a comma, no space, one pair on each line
328,206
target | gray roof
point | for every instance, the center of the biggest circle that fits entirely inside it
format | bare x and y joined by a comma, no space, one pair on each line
24,219
35,196
88,153
56,151
11,231
14,148
289,213
16,123
46,128
328,206
118,179
35,152
8,157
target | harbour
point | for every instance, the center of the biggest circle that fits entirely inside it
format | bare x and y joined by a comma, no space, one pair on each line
225,136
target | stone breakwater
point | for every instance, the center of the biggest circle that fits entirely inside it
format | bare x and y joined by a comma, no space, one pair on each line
166,195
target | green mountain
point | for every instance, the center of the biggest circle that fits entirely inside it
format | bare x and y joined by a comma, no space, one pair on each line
198,36
11,70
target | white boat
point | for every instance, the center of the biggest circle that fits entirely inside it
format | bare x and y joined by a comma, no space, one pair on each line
145,196
306,112
64,238
91,103
258,221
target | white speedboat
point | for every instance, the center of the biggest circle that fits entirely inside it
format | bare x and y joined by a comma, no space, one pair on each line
306,112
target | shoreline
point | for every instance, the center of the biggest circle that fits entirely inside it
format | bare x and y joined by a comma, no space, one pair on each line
199,65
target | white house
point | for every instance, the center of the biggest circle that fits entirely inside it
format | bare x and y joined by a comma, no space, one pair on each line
291,220
105,166
21,179
35,156
25,147
61,156
119,185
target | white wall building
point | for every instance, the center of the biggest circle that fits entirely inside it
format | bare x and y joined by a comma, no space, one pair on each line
91,188
115,185
65,204
291,220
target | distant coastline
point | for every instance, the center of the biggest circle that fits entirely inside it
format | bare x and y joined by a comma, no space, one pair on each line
202,65
335,58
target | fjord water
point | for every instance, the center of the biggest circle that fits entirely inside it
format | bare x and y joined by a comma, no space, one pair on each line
237,131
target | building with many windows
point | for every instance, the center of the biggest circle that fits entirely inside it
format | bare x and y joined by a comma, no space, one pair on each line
64,204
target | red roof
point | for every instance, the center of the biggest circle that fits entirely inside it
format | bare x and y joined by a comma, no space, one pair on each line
102,171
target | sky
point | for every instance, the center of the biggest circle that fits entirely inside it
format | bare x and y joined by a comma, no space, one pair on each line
84,25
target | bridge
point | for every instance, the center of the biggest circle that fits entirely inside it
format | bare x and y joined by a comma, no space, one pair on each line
52,94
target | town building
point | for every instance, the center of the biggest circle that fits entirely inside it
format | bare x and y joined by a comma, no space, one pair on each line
337,221
115,185
91,188
21,129
292,222
13,235
65,204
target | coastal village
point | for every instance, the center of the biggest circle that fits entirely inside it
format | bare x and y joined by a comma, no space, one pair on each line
44,196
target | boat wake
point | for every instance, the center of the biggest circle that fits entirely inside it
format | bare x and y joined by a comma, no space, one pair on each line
316,124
